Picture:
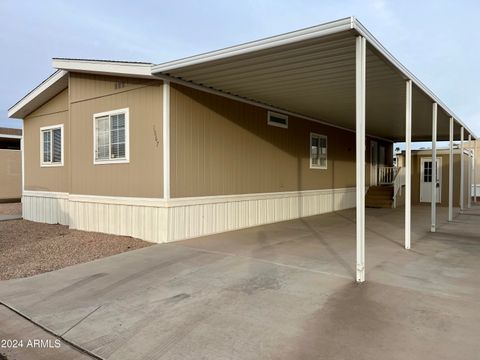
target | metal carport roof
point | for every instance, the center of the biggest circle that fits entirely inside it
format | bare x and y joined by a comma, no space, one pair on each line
311,72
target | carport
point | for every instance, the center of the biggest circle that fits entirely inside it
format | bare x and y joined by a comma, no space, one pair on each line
339,73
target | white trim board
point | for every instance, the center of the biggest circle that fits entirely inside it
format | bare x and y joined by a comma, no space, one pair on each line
47,194
197,200
22,147
7,136
116,68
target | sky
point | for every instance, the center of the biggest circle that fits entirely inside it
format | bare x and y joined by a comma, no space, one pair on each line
437,40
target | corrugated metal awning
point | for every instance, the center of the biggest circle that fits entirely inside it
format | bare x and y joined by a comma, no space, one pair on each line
312,72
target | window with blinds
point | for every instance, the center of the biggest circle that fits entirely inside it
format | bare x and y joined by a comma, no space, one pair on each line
51,142
111,136
318,151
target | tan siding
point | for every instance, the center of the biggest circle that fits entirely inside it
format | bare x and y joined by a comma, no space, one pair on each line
476,146
58,103
40,178
220,146
10,174
143,175
466,192
88,86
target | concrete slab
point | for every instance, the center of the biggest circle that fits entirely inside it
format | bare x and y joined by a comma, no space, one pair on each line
278,291
10,217
42,345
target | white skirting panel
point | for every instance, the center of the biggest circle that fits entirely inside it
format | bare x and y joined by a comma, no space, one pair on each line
45,207
158,220
120,218
193,217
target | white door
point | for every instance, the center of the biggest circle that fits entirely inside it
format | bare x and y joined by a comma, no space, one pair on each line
426,179
373,163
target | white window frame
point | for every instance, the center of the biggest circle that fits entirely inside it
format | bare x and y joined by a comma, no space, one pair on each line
125,111
318,167
278,115
50,163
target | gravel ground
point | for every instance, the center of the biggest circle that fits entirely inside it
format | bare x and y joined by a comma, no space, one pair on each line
28,248
10,209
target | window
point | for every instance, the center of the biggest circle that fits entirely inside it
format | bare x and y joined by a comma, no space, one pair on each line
51,145
318,151
111,143
276,119
427,171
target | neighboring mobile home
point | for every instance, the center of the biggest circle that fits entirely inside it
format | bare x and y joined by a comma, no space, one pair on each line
476,169
10,164
422,176
257,133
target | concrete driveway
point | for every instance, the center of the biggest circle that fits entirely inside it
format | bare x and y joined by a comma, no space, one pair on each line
281,291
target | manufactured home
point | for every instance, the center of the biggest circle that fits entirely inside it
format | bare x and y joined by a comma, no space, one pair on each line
475,148
10,164
422,176
294,125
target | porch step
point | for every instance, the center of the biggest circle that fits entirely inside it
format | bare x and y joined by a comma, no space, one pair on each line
379,197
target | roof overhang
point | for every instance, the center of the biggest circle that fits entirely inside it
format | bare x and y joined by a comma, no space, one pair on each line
58,81
50,87
8,136
311,72
308,73
103,67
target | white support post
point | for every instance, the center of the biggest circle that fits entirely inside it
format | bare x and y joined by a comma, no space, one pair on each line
166,139
475,172
469,182
408,164
22,147
360,80
450,173
434,167
462,168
